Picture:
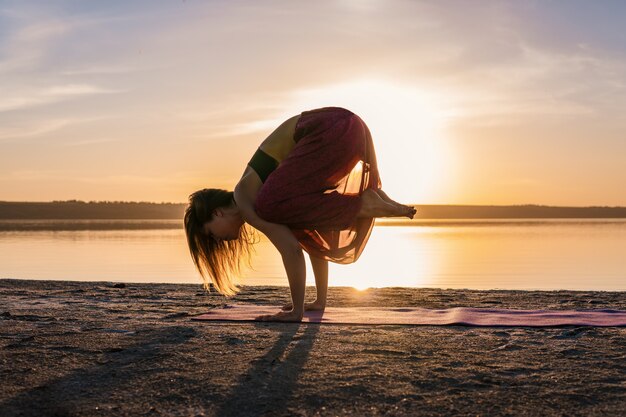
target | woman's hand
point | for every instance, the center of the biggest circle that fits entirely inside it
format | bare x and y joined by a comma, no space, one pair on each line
286,316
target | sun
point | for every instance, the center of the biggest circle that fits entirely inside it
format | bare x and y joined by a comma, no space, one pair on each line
360,287
415,159
393,257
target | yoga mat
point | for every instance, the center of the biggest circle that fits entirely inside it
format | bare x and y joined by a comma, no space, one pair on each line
423,316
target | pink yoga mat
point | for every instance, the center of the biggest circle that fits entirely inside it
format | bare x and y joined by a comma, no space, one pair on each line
424,316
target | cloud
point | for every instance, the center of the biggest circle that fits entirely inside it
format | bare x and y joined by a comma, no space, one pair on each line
27,45
17,130
90,141
29,97
543,83
101,69
75,90
47,126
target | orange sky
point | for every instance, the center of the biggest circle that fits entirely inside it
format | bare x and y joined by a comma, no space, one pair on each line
500,103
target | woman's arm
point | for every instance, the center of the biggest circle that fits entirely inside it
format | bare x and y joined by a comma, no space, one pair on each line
284,240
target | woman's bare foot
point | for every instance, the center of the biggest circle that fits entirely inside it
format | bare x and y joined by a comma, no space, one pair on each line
314,306
284,316
410,210
374,206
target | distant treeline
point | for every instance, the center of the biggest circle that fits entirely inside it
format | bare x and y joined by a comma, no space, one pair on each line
76,209
526,211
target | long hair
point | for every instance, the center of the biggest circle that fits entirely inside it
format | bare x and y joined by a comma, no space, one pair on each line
218,261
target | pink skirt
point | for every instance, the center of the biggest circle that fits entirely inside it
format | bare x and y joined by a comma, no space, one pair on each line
316,189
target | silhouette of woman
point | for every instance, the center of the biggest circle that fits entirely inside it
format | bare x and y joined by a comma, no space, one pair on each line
313,184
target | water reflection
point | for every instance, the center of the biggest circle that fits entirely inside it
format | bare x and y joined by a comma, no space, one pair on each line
393,257
486,254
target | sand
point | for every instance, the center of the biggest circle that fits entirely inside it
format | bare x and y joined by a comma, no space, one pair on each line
91,349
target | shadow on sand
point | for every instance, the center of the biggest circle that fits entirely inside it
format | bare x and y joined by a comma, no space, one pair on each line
76,392
267,388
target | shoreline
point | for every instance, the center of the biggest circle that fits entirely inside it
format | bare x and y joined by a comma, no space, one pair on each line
85,348
348,296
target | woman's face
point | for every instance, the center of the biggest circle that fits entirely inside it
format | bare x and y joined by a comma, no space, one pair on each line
225,224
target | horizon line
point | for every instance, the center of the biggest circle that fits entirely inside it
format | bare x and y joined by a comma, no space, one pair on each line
411,204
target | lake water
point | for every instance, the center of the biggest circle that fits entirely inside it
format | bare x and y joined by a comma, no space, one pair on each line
525,254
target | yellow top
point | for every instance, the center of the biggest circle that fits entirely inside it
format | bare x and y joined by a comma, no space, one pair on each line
277,145
280,142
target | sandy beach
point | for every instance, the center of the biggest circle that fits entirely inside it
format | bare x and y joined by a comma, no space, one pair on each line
85,349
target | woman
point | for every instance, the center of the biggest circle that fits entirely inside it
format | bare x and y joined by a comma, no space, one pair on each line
312,185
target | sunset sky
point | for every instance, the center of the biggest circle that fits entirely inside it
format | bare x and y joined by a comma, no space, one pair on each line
468,102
